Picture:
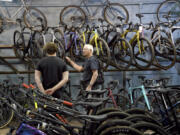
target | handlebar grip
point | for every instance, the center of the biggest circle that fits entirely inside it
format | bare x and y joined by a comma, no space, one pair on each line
67,103
32,86
25,85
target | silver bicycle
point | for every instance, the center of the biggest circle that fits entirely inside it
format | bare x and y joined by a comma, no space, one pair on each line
32,17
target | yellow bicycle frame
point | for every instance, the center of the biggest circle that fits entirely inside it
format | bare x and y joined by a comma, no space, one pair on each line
93,39
136,36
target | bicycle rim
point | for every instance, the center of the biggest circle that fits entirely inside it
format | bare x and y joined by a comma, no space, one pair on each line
112,11
122,54
102,52
35,19
169,7
72,16
18,45
165,53
145,57
6,114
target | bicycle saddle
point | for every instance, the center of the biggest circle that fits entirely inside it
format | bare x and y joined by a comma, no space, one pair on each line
99,91
97,99
166,16
94,117
128,79
113,84
101,20
6,81
139,15
89,104
141,77
120,18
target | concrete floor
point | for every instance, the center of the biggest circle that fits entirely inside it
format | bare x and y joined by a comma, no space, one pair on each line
4,131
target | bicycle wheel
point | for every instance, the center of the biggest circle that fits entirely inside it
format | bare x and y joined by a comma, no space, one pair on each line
121,130
59,36
111,123
34,19
61,51
107,110
149,128
165,53
136,118
123,102
112,11
72,16
6,114
102,52
168,7
76,52
122,53
135,111
18,44
144,58
140,103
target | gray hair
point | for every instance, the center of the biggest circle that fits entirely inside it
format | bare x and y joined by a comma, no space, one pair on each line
89,46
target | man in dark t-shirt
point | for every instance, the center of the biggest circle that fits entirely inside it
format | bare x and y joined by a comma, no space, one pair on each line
91,69
53,72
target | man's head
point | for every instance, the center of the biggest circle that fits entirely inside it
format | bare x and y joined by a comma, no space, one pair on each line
87,50
50,48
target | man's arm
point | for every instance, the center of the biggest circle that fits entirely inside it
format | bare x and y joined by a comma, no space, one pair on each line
64,80
93,79
38,80
74,65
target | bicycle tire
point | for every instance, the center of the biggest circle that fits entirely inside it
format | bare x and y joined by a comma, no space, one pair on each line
167,10
144,126
123,102
111,123
59,36
122,53
61,51
154,112
5,120
116,115
139,118
116,130
65,9
134,111
38,39
104,53
150,53
76,51
29,24
107,110
110,104
163,33
165,53
120,6
19,46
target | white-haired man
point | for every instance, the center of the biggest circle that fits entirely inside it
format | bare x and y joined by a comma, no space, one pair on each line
91,69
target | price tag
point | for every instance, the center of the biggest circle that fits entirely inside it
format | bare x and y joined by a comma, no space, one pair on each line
140,28
118,29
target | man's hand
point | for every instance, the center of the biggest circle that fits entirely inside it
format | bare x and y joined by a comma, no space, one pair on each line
68,59
89,87
49,91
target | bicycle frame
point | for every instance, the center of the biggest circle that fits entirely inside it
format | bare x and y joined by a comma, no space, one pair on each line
171,34
143,90
74,39
9,17
136,36
83,3
94,38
